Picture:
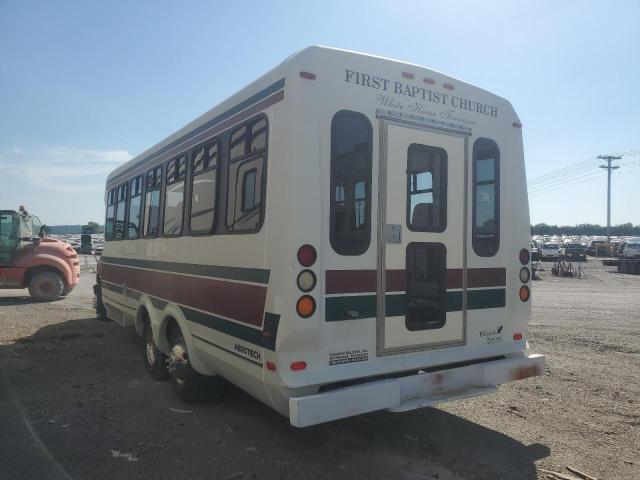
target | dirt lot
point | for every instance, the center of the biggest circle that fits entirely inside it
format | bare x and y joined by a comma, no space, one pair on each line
75,402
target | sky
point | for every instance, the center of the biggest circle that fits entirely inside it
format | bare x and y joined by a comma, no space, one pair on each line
87,85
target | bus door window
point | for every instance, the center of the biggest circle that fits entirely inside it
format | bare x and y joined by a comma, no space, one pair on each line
426,188
174,196
426,279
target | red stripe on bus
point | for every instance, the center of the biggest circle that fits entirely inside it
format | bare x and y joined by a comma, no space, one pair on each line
241,302
365,281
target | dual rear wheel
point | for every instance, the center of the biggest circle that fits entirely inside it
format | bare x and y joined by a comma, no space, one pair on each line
189,385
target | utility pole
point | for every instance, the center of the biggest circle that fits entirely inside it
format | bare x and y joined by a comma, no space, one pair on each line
608,167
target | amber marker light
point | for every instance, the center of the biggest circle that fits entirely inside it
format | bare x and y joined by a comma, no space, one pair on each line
525,293
306,306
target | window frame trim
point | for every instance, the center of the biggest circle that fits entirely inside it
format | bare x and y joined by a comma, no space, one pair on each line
160,202
142,177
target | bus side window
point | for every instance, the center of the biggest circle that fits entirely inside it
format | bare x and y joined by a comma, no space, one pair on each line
204,188
152,202
247,159
426,188
111,210
174,196
350,209
135,205
121,211
486,197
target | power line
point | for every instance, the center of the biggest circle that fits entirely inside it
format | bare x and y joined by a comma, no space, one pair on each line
561,171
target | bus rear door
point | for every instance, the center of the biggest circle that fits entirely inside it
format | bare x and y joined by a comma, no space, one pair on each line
421,257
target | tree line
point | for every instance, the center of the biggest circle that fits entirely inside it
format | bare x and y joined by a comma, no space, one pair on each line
589,229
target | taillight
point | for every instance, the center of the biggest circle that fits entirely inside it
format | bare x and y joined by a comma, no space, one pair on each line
306,280
525,274
525,293
306,306
307,255
525,256
271,366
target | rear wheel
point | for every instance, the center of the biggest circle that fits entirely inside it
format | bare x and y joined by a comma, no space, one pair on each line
155,362
188,384
46,286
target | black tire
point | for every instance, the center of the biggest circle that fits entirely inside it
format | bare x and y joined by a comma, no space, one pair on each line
189,385
155,362
46,286
101,311
66,291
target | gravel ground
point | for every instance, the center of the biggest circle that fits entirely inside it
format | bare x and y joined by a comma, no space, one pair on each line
75,402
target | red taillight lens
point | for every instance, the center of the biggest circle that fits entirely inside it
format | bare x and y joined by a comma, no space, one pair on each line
517,336
525,293
297,366
525,256
307,255
271,366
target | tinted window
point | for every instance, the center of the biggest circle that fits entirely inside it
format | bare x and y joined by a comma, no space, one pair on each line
204,188
111,210
426,277
121,211
426,188
135,206
247,159
486,197
174,196
152,203
350,209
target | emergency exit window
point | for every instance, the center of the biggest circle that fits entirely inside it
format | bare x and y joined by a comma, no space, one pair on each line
426,188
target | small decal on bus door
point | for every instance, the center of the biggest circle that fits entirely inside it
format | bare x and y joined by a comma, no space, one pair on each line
349,356
492,336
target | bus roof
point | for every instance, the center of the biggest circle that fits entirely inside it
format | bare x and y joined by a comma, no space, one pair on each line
258,86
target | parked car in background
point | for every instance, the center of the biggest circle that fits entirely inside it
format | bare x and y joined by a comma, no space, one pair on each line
619,250
598,248
550,250
535,251
632,249
573,251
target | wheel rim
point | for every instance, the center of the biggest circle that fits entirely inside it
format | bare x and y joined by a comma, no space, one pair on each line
177,360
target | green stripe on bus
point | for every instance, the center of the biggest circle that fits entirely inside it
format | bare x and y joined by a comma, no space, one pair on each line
354,307
255,275
222,325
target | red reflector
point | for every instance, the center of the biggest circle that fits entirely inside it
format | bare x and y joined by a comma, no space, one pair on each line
525,256
271,366
430,81
307,255
297,366
308,75
408,75
517,336
517,125
448,86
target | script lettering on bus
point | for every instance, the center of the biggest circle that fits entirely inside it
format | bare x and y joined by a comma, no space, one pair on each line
416,92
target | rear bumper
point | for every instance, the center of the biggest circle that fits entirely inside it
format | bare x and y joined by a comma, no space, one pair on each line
415,391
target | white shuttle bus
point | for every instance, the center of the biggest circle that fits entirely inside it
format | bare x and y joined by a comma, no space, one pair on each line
348,233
